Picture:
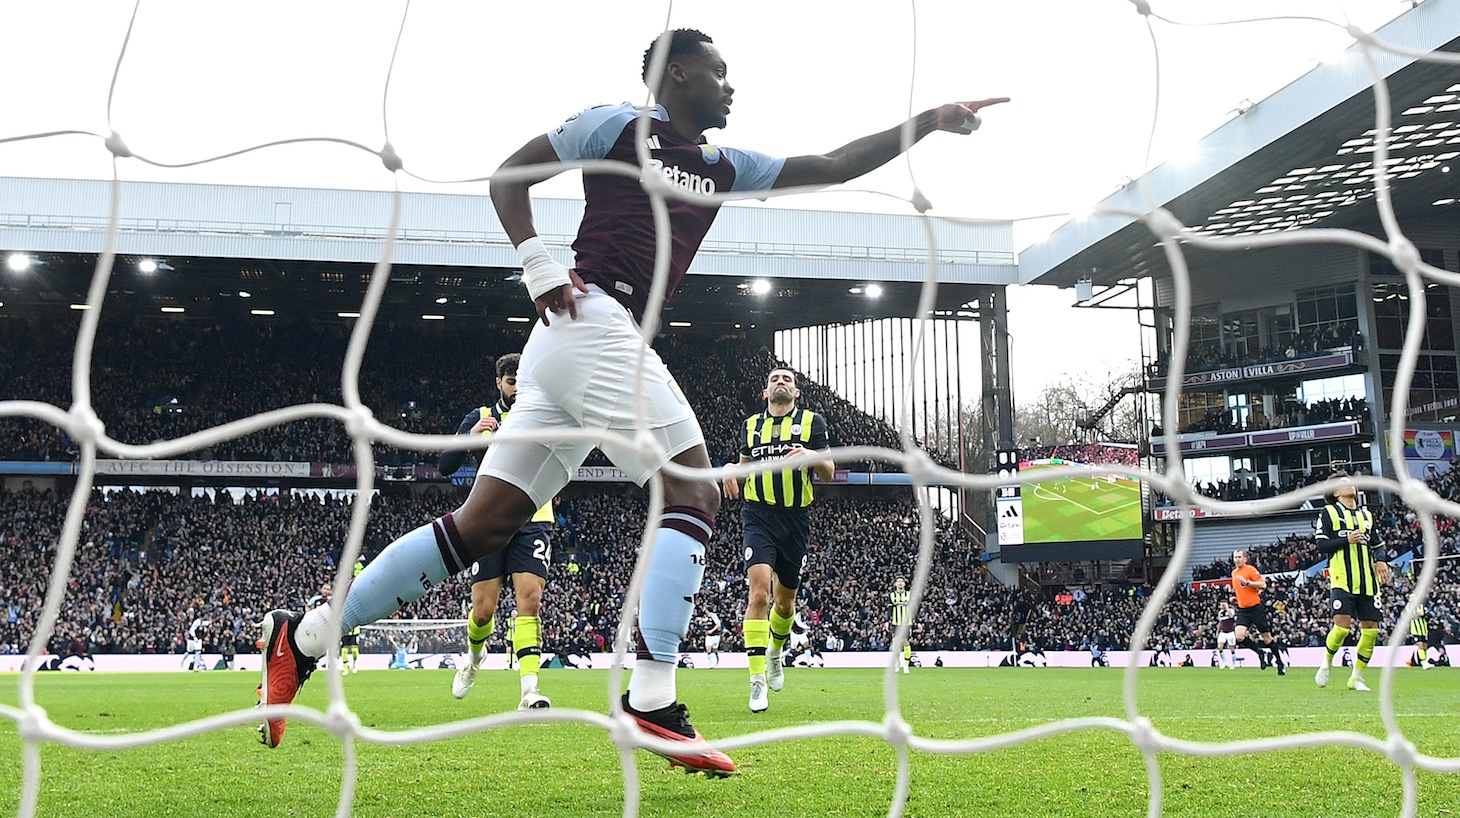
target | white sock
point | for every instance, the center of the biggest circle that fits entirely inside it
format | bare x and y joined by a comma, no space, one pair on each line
313,636
529,683
652,685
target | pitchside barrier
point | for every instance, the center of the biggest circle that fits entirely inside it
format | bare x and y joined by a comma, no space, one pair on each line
1201,659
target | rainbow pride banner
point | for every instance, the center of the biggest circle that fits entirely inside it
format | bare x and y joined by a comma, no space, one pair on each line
1428,444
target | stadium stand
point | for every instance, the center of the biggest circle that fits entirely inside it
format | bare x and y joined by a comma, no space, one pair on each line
148,559
157,379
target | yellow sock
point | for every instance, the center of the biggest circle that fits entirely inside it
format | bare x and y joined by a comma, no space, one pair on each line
780,630
1367,638
757,635
526,645
1335,641
476,637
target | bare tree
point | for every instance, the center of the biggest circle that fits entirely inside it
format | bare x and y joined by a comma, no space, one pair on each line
1084,410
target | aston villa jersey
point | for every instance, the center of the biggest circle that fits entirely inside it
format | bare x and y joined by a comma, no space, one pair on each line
615,244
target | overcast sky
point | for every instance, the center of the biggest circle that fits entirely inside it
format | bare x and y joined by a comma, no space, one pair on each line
474,80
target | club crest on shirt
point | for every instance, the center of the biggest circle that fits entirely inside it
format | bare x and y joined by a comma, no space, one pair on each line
710,154
559,130
795,428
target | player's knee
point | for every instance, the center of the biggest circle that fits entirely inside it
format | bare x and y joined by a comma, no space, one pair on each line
692,493
529,601
759,596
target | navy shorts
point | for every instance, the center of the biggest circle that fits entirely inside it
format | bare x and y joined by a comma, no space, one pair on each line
1361,608
779,538
529,552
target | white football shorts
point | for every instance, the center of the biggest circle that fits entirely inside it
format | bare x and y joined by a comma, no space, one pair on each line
1226,639
579,374
712,643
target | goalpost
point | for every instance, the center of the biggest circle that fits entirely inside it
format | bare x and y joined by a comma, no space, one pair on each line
414,636
83,426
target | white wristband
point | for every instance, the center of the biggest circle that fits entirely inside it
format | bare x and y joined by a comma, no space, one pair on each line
540,274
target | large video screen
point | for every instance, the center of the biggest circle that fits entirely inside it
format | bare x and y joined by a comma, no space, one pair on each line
1098,507
1098,517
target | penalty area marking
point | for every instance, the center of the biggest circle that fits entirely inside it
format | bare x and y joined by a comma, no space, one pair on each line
1044,494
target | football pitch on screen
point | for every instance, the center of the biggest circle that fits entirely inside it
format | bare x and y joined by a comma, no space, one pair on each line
573,770
1081,508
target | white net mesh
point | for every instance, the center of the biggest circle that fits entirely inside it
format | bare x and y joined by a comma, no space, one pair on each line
440,636
83,426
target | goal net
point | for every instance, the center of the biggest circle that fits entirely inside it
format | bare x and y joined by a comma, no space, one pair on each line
81,424
415,636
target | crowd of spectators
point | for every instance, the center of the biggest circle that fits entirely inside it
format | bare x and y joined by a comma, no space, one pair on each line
1301,610
155,380
149,563
1294,552
1087,453
1394,522
1256,487
1307,342
1290,415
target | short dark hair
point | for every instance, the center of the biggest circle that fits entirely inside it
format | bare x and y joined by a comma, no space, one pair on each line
507,364
775,369
683,42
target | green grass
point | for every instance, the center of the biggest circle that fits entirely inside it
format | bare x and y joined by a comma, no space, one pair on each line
573,770
1080,509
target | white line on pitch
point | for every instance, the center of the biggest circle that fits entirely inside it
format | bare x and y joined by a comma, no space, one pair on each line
1038,489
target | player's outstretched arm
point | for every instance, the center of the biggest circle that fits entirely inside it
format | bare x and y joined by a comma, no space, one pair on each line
549,283
871,152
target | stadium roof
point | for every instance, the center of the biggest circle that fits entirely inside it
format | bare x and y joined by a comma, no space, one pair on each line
1300,158
309,253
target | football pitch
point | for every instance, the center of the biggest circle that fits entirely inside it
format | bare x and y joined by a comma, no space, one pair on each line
1081,509
573,769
